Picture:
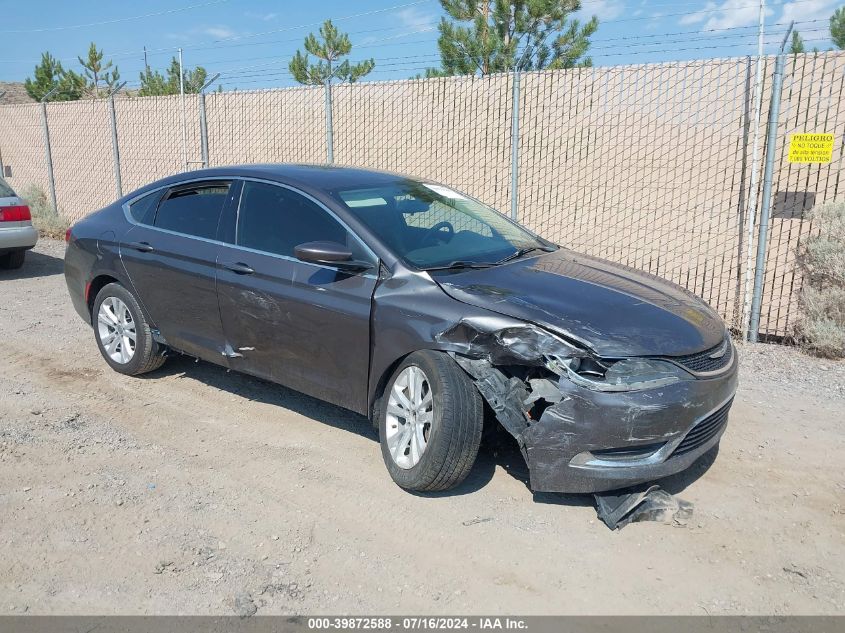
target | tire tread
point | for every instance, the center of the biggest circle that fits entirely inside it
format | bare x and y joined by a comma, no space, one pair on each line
151,357
461,424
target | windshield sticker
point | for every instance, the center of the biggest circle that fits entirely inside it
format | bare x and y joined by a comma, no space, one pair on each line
363,198
444,191
366,202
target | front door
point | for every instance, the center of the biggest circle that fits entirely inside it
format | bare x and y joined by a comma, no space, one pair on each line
170,257
304,325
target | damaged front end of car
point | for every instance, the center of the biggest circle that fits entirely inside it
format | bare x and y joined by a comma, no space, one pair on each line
590,424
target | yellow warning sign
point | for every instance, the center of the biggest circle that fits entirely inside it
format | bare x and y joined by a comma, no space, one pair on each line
811,148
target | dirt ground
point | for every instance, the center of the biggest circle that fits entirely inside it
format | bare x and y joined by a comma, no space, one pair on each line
197,491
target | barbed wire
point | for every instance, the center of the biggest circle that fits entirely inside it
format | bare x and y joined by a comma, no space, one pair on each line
421,62
639,44
253,79
630,42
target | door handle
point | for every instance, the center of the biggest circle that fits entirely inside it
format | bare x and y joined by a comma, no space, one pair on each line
239,268
144,247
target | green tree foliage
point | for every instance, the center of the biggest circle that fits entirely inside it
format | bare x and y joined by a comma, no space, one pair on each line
96,73
837,27
154,83
797,44
822,259
49,74
493,36
329,49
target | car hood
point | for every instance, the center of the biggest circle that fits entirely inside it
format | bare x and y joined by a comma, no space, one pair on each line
614,310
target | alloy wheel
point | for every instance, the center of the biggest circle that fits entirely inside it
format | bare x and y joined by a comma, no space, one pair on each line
116,330
410,414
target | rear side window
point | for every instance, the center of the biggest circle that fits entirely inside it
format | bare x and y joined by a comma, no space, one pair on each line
275,220
193,210
5,189
143,209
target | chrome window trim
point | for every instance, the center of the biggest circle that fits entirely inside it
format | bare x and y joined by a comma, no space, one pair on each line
132,221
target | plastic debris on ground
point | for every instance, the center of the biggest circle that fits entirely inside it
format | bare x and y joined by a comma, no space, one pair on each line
618,508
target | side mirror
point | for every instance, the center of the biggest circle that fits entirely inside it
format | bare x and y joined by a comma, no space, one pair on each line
329,254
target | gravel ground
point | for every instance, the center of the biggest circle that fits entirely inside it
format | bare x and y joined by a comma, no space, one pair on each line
197,491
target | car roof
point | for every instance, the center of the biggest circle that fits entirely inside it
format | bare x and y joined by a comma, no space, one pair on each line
315,177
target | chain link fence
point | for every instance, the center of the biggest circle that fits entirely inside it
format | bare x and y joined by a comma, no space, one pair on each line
646,165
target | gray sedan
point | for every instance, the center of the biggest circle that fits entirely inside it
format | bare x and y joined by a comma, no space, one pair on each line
417,306
17,235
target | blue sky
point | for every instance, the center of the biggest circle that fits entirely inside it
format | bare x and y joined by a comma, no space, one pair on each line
251,41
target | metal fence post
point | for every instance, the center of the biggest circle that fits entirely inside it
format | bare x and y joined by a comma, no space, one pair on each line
48,151
751,213
203,131
184,128
766,202
2,167
329,123
115,148
204,121
515,147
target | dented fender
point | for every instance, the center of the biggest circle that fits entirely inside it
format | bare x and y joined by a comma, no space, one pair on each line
410,312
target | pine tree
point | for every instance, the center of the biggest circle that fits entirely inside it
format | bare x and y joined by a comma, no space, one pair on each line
95,73
153,83
494,36
837,27
797,45
50,74
329,51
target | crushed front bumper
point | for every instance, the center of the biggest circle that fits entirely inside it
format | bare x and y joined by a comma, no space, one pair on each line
593,441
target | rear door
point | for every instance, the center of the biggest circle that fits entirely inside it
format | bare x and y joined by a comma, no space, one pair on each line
170,255
304,325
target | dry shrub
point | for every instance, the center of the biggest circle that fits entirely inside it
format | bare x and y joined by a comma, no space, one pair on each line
44,216
822,326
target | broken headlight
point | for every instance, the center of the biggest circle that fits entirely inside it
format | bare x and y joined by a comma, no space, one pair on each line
632,374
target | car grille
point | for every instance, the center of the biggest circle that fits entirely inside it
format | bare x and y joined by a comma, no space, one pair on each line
702,362
705,430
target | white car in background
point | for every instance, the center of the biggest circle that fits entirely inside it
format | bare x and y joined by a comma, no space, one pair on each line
17,235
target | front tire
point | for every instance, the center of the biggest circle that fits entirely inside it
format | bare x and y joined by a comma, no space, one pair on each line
430,420
123,334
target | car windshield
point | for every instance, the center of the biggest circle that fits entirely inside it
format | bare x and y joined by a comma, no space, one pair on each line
432,226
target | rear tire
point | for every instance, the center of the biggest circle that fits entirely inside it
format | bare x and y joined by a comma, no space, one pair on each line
13,260
448,421
117,317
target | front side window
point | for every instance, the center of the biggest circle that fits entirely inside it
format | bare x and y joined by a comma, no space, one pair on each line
430,225
276,220
193,210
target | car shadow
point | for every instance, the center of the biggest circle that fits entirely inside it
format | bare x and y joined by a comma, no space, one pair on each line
498,447
264,391
492,453
35,265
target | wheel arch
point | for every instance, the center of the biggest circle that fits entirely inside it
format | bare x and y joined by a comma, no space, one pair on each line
93,289
378,391
100,279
